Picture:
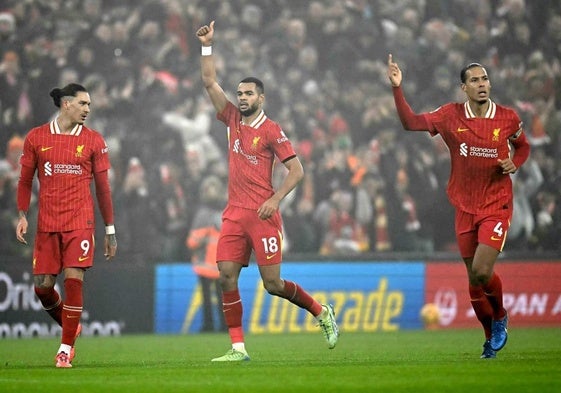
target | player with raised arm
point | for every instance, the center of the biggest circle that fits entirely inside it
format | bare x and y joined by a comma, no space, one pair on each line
66,155
480,135
251,219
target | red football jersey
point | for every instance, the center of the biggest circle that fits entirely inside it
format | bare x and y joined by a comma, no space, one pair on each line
476,184
65,165
251,155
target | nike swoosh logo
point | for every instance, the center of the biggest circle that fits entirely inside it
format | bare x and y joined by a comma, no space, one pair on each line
462,129
82,259
46,148
495,238
270,256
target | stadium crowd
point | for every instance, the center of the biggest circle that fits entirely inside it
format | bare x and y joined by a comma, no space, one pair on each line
366,189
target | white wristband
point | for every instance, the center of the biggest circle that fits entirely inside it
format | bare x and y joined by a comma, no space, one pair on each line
206,50
110,230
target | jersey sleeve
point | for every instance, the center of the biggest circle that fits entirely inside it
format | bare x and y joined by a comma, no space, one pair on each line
100,160
410,120
227,113
281,145
28,158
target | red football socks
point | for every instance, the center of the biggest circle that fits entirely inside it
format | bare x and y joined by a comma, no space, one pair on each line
296,295
72,309
50,299
233,310
482,307
494,292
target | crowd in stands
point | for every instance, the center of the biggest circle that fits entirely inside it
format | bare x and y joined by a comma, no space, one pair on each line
368,187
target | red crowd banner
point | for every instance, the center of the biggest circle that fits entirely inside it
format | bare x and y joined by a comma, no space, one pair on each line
531,293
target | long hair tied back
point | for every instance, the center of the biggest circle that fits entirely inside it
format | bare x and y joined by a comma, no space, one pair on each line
70,89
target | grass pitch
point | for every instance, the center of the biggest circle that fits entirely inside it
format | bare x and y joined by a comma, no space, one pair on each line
405,361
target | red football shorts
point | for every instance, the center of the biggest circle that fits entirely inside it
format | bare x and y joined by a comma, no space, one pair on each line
489,229
55,251
243,231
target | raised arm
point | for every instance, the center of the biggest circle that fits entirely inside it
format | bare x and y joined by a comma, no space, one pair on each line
205,34
409,119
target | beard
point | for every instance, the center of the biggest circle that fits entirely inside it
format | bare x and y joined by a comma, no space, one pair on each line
249,111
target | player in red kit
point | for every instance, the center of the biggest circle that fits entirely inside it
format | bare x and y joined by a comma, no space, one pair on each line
251,220
66,155
480,135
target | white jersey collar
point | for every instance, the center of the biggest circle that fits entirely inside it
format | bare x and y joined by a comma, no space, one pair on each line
490,114
260,119
56,130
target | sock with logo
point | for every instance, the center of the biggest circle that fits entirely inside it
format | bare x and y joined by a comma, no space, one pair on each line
233,311
296,295
494,292
72,310
51,301
482,307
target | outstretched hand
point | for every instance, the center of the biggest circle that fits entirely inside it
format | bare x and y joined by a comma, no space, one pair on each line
205,34
394,73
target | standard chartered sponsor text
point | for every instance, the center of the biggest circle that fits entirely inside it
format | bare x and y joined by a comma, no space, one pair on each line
69,169
484,152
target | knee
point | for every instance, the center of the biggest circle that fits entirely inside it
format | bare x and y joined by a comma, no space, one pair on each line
42,282
273,287
228,281
480,276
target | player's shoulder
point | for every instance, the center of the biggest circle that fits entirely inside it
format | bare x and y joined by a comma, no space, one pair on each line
506,110
454,106
264,121
272,129
43,128
448,107
270,123
37,131
90,132
92,137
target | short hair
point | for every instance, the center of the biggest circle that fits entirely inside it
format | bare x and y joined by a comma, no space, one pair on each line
469,67
260,86
70,90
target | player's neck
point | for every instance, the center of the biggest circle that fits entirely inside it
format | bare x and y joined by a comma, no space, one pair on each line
479,108
65,125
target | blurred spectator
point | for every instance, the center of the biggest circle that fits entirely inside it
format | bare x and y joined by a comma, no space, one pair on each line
8,217
406,230
548,223
526,183
9,40
202,241
342,233
142,240
192,122
372,212
9,176
13,153
172,205
15,106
